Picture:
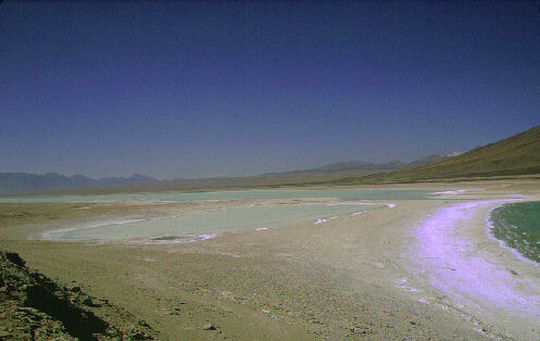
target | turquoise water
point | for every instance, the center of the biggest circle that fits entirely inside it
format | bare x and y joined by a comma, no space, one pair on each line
190,226
518,225
341,194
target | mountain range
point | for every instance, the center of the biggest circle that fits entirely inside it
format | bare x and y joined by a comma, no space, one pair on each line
514,156
380,166
11,183
15,183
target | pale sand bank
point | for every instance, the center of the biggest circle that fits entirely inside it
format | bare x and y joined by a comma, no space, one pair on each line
456,256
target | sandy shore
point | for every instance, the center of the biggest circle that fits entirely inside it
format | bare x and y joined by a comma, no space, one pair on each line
375,275
487,282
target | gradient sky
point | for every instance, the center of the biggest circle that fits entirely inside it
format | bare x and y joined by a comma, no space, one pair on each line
173,89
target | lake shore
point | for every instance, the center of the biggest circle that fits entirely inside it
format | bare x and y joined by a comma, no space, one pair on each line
457,255
355,276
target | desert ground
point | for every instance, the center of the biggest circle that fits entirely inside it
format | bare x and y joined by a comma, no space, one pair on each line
367,276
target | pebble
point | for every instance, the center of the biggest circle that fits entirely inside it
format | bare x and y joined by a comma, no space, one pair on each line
209,326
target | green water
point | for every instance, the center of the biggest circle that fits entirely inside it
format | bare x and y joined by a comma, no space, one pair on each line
332,193
191,225
518,225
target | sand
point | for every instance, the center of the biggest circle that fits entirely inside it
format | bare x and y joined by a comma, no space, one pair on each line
363,276
482,277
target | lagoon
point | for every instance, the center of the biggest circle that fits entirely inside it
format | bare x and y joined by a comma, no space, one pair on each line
202,225
260,194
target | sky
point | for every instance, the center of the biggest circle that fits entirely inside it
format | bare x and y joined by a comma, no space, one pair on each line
197,89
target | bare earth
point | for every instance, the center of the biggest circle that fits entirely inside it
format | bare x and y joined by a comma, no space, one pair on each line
354,277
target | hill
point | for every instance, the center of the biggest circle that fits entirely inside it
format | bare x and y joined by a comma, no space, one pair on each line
515,155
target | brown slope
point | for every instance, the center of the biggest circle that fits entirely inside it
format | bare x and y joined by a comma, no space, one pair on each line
516,155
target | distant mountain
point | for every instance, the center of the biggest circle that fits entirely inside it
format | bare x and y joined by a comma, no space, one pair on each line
431,159
515,155
14,183
357,165
134,179
350,165
306,177
333,173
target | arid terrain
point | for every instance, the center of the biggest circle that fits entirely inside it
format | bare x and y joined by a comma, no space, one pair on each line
352,277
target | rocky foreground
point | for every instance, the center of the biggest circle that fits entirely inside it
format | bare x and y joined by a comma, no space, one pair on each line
33,306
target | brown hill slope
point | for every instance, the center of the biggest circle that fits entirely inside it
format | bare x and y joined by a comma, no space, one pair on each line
516,155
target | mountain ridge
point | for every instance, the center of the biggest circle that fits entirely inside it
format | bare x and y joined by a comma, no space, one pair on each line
21,182
513,156
397,164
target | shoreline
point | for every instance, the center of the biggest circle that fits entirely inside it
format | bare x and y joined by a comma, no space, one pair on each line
353,277
336,209
489,228
457,257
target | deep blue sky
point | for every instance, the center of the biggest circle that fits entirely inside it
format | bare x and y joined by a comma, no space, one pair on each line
203,89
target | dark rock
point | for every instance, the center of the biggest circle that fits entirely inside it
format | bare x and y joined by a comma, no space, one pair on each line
36,307
15,259
75,289
209,326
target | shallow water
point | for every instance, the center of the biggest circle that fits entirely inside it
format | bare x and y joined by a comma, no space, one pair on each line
193,226
327,193
518,225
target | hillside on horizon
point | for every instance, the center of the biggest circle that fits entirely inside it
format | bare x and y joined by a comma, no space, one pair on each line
516,155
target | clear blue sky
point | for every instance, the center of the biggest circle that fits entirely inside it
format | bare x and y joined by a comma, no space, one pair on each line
202,89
